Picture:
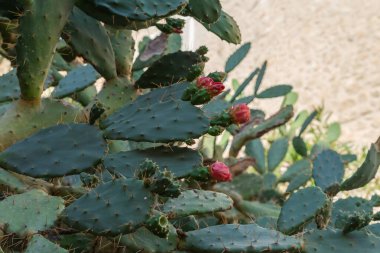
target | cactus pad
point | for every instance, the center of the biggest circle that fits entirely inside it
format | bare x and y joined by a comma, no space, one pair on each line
277,152
125,203
255,149
66,149
207,11
326,241
76,80
350,205
168,121
299,180
169,69
300,208
9,182
179,161
295,169
239,238
9,86
196,202
328,170
41,244
16,212
255,209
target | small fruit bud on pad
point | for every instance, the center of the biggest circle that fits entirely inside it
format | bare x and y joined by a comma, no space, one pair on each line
220,172
213,88
240,114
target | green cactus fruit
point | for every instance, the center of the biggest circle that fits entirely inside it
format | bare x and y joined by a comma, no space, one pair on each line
169,69
147,169
80,147
126,205
76,80
145,241
328,171
366,172
207,11
11,183
299,146
38,243
301,207
192,202
326,241
255,149
35,49
277,152
86,96
180,161
169,121
16,212
218,76
299,180
236,238
225,28
89,39
295,169
158,225
9,86
165,185
22,119
135,14
255,209
123,46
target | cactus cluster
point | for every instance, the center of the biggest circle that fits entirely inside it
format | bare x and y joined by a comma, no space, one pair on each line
98,145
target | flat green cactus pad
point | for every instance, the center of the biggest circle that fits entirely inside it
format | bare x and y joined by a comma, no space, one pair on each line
76,80
373,228
180,161
77,243
196,202
125,203
326,241
169,69
295,169
9,86
299,180
169,121
267,222
207,11
366,172
225,28
144,241
16,212
66,149
237,238
328,170
350,205
255,209
9,182
301,207
255,149
277,152
41,244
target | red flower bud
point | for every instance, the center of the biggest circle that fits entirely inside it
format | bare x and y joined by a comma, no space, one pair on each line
177,30
213,88
240,114
216,89
220,172
204,82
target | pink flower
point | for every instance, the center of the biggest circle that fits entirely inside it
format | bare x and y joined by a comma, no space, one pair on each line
220,172
213,88
240,114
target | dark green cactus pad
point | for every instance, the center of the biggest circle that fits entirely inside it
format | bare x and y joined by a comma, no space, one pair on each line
351,221
77,243
10,183
328,170
349,206
295,169
331,241
29,212
269,181
374,229
215,107
255,149
277,152
22,120
245,185
144,241
66,149
299,180
300,208
35,47
299,146
38,243
192,202
169,121
366,172
76,80
179,161
237,238
255,209
90,39
125,203
225,28
207,11
9,86
237,57
267,222
169,69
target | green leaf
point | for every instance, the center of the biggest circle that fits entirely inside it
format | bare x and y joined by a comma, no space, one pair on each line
237,57
275,91
277,153
244,85
260,77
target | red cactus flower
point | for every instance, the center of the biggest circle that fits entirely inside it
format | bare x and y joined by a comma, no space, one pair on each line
220,172
240,114
213,88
